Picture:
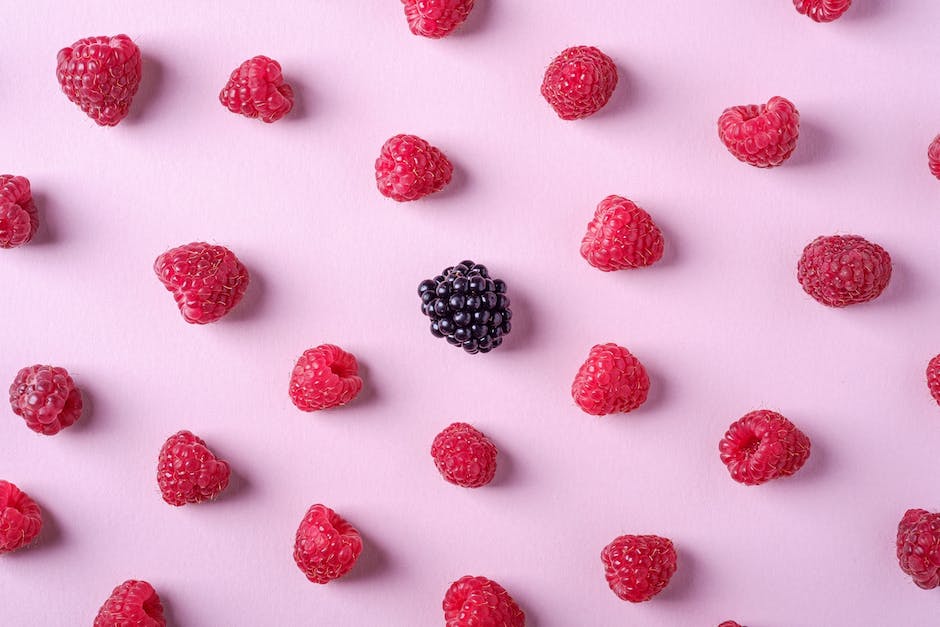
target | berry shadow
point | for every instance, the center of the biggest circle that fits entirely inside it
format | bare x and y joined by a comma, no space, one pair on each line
659,390
302,99
902,288
369,394
480,17
153,75
507,471
681,585
253,302
46,234
168,613
524,325
864,9
671,250
816,145
626,95
816,466
88,417
238,484
460,181
372,562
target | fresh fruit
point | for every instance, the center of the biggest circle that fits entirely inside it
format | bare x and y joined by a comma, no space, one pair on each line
207,281
730,623
480,602
18,216
638,567
933,156
611,380
409,168
822,10
933,378
621,236
46,398
762,135
763,445
327,546
467,307
919,547
842,270
132,604
256,89
20,518
579,82
188,472
436,18
101,75
464,456
324,377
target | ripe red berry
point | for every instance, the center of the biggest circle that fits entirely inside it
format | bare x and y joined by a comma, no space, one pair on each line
46,398
207,281
324,377
610,381
256,89
327,546
933,156
480,602
436,18
730,623
133,603
638,567
464,456
822,10
20,518
101,75
188,472
933,378
409,168
18,216
761,446
842,270
919,547
761,135
579,82
621,236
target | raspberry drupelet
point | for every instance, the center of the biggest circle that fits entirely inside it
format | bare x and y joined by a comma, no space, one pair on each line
611,380
19,219
46,398
763,445
579,82
918,547
761,135
188,472
326,546
464,455
822,10
933,378
256,89
638,568
20,518
132,604
207,281
621,236
843,270
436,18
480,602
101,76
409,168
933,157
324,377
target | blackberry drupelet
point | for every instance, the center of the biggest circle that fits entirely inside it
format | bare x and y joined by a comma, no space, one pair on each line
467,307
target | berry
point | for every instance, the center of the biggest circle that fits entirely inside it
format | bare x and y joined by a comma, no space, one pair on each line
409,168
467,307
18,216
46,398
133,603
480,602
729,623
919,547
621,236
842,270
933,378
207,281
256,89
579,82
761,446
188,472
324,377
20,518
327,546
822,10
933,156
464,456
761,135
611,380
436,18
101,75
638,567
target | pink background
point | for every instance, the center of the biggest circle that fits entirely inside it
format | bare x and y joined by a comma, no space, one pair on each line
721,322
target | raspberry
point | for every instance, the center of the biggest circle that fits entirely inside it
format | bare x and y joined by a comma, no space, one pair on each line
101,75
256,89
18,216
933,378
638,567
842,270
46,398
436,18
480,602
729,623
324,377
919,547
761,446
621,236
327,546
610,380
188,472
207,281
933,156
20,518
467,307
133,603
761,135
822,10
464,456
409,168
579,82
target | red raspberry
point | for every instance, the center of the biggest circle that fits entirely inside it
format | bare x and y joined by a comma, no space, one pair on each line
761,446
133,603
761,135
480,602
610,381
621,236
20,518
919,547
933,378
207,281
46,398
730,623
256,89
18,216
579,82
188,472
409,168
101,75
638,567
842,270
327,546
436,18
822,10
324,377
933,156
464,456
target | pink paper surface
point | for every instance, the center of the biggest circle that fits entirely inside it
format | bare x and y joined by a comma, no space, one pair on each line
721,323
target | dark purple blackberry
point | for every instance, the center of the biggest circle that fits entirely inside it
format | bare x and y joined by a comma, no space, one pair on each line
466,307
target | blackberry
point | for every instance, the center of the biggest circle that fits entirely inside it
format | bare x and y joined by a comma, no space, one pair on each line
467,307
